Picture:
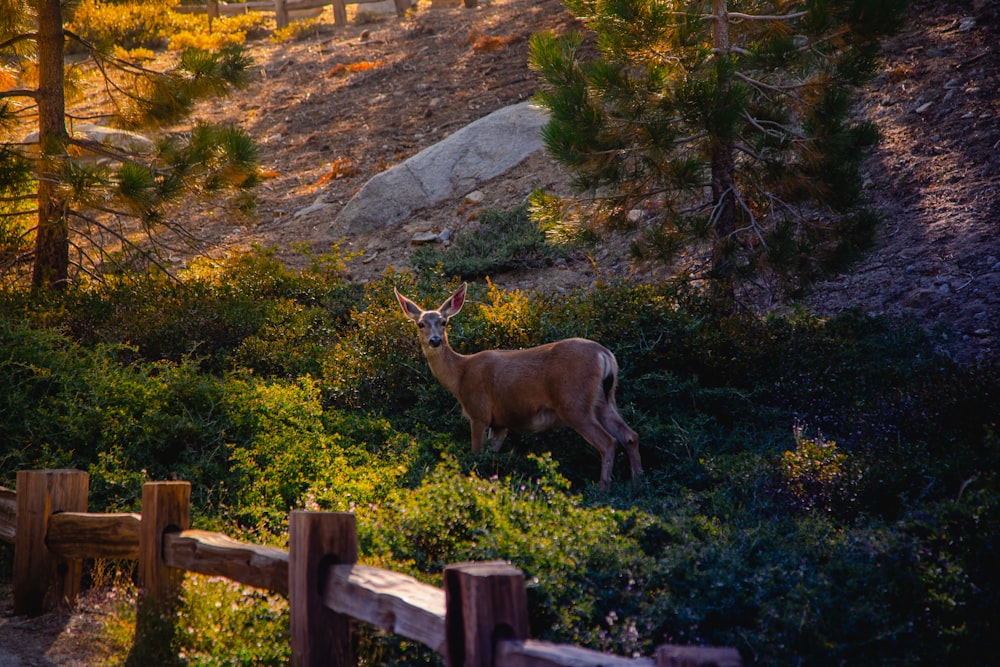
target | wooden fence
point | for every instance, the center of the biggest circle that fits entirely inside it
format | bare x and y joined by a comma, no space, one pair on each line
478,619
283,8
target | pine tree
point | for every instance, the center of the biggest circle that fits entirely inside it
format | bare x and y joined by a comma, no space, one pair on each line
721,129
76,185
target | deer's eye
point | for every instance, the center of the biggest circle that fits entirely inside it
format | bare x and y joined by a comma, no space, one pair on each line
420,325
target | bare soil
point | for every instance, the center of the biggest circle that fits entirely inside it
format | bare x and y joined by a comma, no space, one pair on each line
347,102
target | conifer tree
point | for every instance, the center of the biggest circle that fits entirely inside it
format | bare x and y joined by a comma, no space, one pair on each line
77,188
721,129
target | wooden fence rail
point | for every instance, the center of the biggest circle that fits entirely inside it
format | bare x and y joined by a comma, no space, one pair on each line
478,619
283,8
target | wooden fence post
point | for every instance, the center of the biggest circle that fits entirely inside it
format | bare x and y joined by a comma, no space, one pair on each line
339,12
697,656
166,507
213,12
43,581
484,602
320,636
280,14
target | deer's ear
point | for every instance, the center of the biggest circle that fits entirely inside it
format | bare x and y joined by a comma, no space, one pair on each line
410,309
454,303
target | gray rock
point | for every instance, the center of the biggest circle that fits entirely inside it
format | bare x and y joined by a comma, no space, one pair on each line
423,238
317,206
456,165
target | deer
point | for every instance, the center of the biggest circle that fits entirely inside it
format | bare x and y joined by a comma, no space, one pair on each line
569,382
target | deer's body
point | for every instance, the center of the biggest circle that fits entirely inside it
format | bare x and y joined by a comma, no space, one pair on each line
570,382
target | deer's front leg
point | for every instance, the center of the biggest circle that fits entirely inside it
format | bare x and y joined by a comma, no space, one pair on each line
478,435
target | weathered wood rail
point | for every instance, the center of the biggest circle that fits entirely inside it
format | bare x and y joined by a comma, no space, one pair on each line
283,8
478,619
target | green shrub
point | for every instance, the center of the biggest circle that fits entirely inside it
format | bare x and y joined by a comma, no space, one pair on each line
249,311
223,624
287,452
272,389
816,475
503,241
228,625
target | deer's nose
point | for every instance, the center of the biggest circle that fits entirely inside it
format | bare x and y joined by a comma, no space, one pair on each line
434,341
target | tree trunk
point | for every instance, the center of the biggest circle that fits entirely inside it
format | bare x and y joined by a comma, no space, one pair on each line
51,268
723,168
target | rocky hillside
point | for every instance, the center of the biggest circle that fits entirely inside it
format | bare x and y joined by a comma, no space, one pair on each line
347,102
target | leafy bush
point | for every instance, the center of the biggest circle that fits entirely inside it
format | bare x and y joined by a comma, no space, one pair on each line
816,475
503,241
151,24
249,310
212,608
128,25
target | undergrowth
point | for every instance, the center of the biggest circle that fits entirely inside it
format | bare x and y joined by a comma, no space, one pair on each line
821,491
501,241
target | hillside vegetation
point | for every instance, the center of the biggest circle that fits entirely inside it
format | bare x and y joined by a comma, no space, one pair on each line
821,490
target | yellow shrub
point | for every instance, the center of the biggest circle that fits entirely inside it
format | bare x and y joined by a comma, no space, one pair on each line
144,23
205,41
151,24
295,31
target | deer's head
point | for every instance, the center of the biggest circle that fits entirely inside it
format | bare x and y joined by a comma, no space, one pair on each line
432,324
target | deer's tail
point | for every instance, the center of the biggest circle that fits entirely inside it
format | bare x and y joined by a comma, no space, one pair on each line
609,375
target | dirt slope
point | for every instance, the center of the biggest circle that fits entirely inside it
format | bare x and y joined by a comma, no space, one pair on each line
936,178
328,124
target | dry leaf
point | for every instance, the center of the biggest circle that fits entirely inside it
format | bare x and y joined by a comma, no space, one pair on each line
7,79
339,168
363,66
490,43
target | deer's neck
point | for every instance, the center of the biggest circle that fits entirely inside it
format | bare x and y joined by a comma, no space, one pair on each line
446,365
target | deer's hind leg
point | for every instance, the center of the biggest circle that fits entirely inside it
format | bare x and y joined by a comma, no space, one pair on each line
599,437
625,436
497,435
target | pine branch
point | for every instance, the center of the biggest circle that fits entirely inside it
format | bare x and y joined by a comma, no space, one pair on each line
120,63
17,260
96,116
25,36
20,92
103,149
764,17
733,49
779,131
757,83
83,254
121,238
746,150
111,88
753,226
17,198
16,214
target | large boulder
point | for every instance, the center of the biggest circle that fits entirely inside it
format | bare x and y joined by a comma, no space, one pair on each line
112,137
454,166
